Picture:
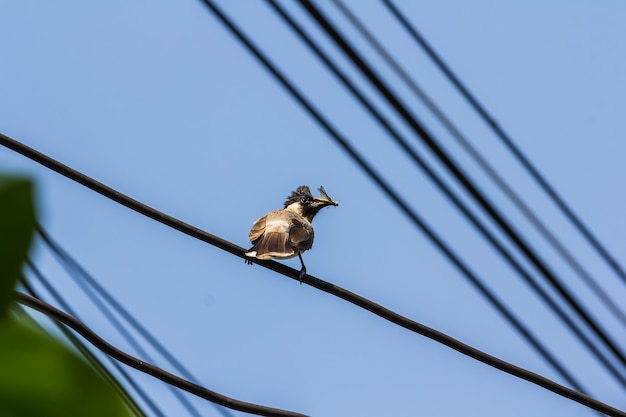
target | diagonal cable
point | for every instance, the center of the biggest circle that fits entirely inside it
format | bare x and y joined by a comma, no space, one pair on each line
83,349
126,335
283,270
91,286
508,141
590,281
91,358
473,219
463,179
145,367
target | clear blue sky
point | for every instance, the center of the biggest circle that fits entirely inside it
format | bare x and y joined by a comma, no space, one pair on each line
157,100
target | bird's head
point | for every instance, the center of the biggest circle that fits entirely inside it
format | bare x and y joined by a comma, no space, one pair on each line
303,202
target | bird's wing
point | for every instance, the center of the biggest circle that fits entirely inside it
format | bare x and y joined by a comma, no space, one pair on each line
257,229
270,236
301,234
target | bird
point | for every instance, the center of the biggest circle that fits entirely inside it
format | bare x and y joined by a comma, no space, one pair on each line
286,233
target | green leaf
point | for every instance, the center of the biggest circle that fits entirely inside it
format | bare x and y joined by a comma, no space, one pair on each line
41,377
17,223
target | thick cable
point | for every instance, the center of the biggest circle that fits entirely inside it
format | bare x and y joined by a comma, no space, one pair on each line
90,285
126,335
92,359
164,376
308,279
543,230
121,198
473,219
294,274
463,179
145,367
508,141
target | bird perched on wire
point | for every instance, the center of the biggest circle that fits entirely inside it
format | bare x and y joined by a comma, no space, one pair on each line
286,233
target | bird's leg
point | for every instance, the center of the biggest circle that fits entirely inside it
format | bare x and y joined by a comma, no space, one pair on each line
303,270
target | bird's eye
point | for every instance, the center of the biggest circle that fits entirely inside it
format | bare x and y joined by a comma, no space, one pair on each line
304,200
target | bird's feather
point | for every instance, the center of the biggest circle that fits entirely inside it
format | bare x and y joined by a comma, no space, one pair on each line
257,229
301,235
272,245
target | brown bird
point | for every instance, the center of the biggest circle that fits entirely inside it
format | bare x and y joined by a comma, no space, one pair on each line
283,234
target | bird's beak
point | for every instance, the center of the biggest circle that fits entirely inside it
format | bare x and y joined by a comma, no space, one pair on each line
325,198
323,201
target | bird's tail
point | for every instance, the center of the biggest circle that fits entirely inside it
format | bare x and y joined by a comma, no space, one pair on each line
272,245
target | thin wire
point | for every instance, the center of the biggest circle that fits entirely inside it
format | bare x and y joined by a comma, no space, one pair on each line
344,294
89,284
110,350
281,269
87,333
131,403
290,272
491,172
479,197
126,335
508,141
145,367
86,352
484,231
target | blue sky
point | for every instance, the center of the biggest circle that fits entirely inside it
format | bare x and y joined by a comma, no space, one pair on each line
159,101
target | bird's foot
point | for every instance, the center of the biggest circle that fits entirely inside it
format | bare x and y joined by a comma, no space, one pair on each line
302,274
248,261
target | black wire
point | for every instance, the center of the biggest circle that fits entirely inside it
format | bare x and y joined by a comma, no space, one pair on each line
489,170
331,131
57,315
283,270
508,141
93,360
125,200
126,335
515,237
110,350
484,231
61,301
89,284
147,368
80,346
292,273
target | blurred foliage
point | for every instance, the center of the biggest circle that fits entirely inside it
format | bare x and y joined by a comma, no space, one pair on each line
40,376
17,223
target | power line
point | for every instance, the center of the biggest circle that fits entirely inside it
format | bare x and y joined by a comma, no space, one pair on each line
293,274
126,201
468,214
89,284
126,335
86,352
508,141
110,350
147,368
461,177
489,170
171,226
91,358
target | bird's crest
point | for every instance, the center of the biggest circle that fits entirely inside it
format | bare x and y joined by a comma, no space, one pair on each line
301,192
